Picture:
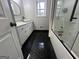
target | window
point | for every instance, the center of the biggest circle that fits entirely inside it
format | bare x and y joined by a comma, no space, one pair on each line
41,8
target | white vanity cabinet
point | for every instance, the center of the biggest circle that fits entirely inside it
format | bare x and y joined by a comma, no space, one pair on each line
25,31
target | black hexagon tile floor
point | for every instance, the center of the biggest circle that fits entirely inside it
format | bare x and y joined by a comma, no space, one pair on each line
38,46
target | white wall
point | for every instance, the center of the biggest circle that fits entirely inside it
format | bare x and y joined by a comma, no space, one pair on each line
41,23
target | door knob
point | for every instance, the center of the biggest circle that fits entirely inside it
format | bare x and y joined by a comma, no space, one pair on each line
12,24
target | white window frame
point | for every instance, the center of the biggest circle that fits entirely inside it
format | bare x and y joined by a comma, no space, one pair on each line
39,9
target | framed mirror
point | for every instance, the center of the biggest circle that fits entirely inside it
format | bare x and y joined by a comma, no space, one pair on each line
1,10
16,8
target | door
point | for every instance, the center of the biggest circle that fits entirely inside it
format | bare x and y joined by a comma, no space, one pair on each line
63,27
72,26
9,42
75,47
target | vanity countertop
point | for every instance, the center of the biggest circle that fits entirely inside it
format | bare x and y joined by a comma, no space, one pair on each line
20,23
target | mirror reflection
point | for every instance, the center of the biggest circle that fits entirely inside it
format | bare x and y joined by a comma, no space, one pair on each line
1,11
16,8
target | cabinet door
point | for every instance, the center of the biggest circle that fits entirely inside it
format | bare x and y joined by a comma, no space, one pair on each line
24,32
21,34
29,30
